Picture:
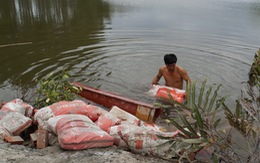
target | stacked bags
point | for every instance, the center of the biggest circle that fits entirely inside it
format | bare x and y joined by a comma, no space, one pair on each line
79,125
77,132
73,123
138,136
67,107
15,117
143,140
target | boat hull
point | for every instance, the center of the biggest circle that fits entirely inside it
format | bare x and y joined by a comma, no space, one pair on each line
141,110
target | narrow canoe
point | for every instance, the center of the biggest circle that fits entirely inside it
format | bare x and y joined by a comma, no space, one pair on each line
141,110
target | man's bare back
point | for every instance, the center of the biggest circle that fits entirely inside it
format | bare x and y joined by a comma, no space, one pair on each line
172,73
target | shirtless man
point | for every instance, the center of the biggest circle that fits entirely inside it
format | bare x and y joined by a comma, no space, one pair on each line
172,73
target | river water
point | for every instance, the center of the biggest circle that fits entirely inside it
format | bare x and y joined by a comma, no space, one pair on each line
118,45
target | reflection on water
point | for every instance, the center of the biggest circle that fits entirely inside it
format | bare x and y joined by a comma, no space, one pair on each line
118,45
52,27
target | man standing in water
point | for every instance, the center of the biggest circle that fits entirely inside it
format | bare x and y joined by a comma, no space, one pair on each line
172,73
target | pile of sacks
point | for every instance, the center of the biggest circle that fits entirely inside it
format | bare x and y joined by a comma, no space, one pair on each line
15,117
79,125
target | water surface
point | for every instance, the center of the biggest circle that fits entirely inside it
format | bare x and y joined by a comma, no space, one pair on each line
118,45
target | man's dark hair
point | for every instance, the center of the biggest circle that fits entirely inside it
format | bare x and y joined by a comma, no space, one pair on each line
170,58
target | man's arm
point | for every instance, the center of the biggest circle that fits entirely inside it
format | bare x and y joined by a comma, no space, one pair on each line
157,77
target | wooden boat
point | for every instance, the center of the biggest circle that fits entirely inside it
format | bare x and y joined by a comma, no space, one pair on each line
141,110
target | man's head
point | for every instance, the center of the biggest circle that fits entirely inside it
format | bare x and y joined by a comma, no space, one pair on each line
170,61
170,58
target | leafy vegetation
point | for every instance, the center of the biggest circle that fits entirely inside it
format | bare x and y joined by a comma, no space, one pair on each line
54,88
201,130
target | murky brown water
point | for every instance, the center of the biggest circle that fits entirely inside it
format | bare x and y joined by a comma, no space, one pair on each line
118,45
